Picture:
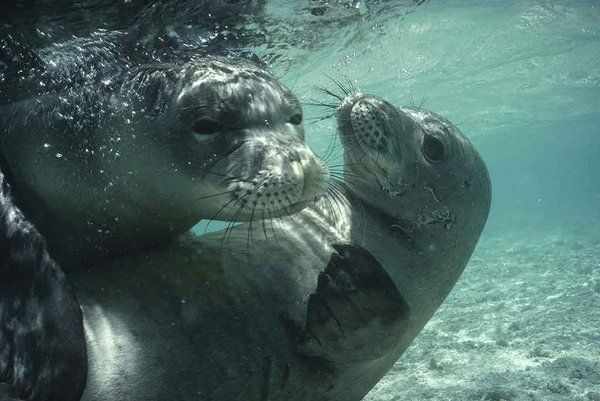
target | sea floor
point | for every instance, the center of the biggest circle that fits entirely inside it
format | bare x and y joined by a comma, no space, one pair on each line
522,324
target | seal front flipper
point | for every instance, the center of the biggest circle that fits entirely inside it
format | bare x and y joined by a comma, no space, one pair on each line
42,344
356,311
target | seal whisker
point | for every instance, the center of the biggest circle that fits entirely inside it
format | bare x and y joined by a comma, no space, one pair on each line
233,220
347,164
340,189
336,190
249,238
331,204
323,105
228,178
342,171
353,88
342,178
264,225
336,213
340,85
318,103
214,216
214,195
242,206
272,221
330,93
331,148
347,176
230,226
315,120
225,206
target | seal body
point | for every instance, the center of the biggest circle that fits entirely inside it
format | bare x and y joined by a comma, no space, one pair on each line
42,345
114,156
315,307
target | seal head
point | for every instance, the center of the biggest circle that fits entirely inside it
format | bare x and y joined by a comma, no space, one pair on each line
412,164
117,158
248,129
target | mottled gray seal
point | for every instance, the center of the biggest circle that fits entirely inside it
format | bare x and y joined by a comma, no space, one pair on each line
42,345
105,156
321,310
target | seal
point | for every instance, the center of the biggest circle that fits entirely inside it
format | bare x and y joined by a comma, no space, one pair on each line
106,156
42,345
320,308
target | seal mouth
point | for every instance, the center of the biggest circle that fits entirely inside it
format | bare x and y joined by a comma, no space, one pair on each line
272,182
274,195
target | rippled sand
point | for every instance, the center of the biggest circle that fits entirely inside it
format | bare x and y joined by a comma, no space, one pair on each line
523,324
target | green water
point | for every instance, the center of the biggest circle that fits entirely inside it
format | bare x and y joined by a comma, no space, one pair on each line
522,80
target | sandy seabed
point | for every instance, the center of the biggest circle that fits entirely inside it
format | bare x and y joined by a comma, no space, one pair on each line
522,324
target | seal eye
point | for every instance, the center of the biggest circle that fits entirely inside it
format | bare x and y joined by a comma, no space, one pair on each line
205,129
433,149
296,119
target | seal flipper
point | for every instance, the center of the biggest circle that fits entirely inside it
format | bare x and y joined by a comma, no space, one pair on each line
42,344
356,311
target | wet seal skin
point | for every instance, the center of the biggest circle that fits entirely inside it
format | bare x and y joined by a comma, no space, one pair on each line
314,307
42,345
106,158
110,157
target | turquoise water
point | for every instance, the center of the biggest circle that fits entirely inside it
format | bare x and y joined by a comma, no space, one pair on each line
522,81
520,78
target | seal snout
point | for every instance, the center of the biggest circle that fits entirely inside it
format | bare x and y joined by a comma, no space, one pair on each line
367,125
267,191
362,122
287,181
